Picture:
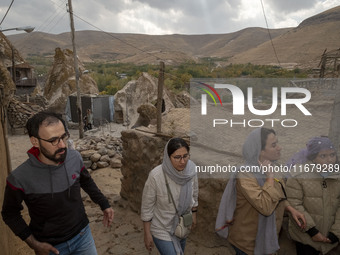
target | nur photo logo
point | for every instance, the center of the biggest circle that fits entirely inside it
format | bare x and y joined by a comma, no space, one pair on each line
242,98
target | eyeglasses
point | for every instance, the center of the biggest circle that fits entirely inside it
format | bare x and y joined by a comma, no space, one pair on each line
179,157
56,140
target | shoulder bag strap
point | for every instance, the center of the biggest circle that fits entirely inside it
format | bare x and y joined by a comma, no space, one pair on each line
169,191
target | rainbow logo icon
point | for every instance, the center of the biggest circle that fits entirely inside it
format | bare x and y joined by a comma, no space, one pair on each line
209,93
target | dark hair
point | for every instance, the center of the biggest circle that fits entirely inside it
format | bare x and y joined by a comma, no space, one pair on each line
311,157
33,124
264,135
175,144
317,144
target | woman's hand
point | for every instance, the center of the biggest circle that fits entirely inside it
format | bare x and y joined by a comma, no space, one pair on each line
266,163
320,238
148,241
194,220
297,216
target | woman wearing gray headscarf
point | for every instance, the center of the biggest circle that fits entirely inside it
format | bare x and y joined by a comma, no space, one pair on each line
252,206
314,190
159,210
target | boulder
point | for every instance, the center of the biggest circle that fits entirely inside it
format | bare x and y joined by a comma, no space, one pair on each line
105,158
116,163
87,154
147,112
102,164
95,157
134,94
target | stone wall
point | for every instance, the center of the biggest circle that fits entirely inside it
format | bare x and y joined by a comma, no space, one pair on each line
141,153
8,241
7,238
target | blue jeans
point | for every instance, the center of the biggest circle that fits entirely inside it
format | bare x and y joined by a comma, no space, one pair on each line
81,244
238,251
167,247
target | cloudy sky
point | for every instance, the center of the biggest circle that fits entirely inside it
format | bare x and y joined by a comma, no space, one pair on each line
159,16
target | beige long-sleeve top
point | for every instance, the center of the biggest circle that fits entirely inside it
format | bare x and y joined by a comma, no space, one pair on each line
156,205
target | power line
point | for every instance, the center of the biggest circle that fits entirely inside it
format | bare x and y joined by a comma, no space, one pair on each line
124,42
9,7
271,40
117,38
47,23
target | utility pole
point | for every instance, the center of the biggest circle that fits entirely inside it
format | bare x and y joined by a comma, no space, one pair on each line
13,64
160,97
76,69
334,129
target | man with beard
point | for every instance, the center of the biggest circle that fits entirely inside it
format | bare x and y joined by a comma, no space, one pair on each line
49,183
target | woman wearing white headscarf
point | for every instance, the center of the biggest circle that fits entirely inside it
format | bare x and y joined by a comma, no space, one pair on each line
158,212
252,206
314,190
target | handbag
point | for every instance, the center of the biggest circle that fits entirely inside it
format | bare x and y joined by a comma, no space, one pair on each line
184,222
184,226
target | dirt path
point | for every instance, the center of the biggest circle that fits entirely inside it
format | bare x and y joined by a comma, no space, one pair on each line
125,236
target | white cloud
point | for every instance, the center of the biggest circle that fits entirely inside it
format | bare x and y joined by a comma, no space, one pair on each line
161,16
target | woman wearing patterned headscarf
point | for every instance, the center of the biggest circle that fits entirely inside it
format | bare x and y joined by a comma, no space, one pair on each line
314,190
161,205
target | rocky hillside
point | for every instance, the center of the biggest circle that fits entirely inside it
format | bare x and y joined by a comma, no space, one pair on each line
331,15
301,46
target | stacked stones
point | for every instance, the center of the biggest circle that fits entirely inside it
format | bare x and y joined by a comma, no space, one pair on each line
100,152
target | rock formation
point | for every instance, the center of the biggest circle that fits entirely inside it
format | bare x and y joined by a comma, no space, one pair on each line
181,100
6,52
147,113
134,94
61,81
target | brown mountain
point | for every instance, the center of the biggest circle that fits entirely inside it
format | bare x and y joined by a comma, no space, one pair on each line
300,46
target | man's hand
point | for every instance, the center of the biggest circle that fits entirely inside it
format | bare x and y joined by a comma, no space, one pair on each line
45,249
39,247
108,217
